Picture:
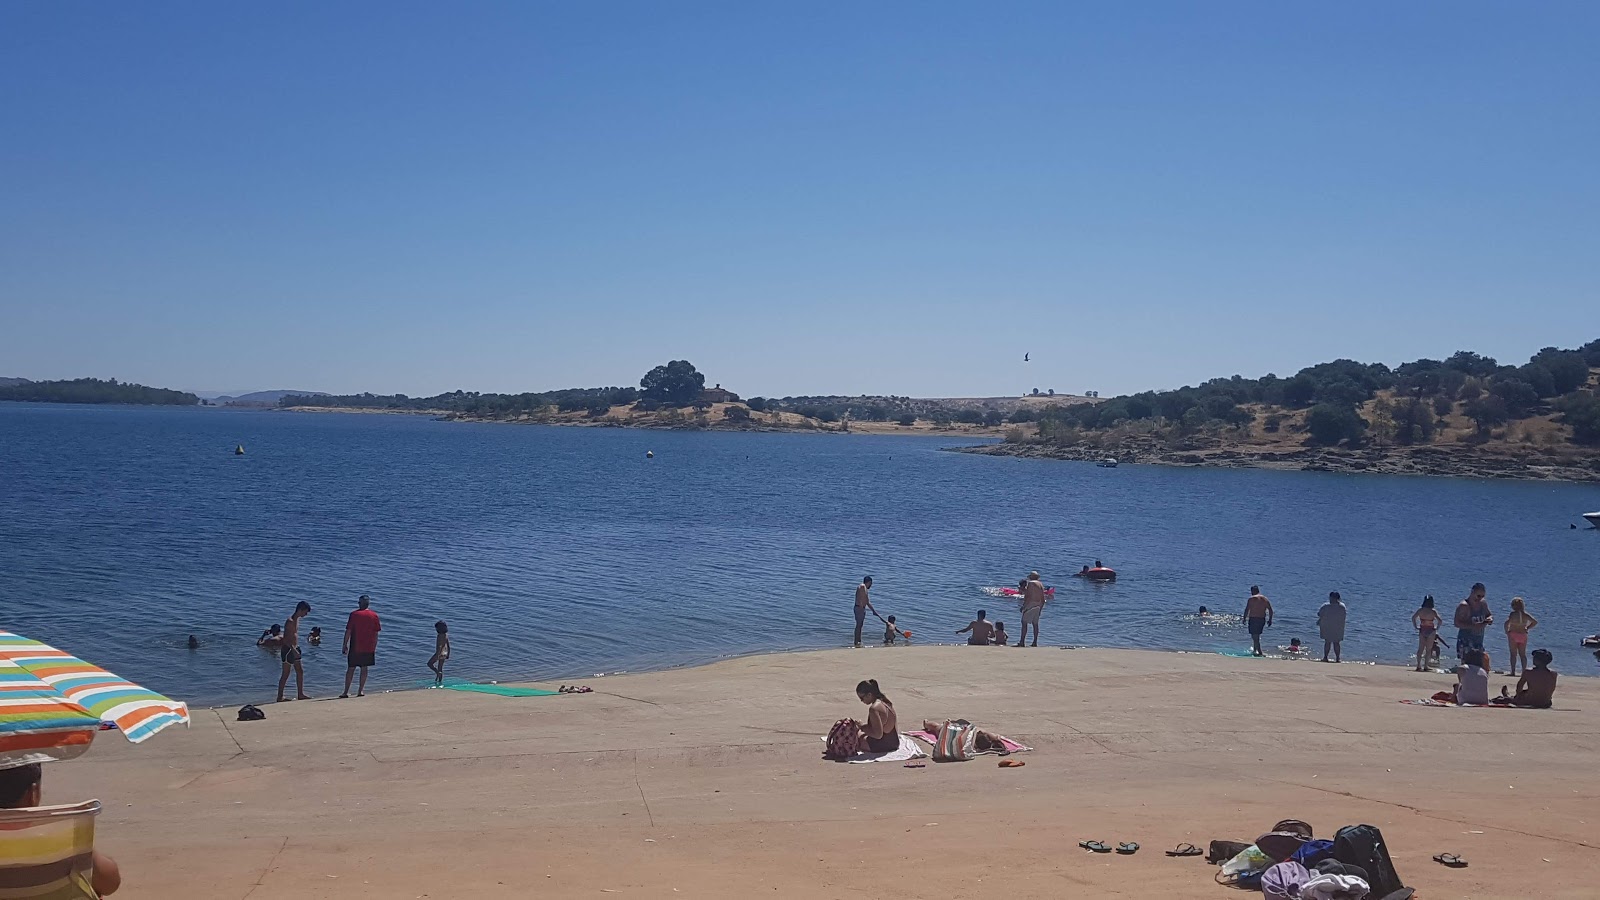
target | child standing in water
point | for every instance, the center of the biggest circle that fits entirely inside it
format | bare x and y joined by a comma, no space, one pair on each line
1426,621
889,632
441,651
1517,627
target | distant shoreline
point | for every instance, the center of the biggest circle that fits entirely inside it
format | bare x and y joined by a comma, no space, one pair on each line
1450,461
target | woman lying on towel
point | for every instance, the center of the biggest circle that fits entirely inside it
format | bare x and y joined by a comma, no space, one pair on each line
881,732
988,741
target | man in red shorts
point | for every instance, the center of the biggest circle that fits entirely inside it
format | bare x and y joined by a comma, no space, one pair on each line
360,644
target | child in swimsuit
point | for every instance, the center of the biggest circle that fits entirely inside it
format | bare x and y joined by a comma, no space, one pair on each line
441,651
1517,626
889,632
1426,621
1000,633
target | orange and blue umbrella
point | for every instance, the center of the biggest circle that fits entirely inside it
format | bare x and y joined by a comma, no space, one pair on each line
52,704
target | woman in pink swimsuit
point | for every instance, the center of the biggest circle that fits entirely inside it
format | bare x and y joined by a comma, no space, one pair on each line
1517,627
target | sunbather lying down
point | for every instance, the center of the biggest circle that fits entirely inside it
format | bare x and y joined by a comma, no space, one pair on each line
987,741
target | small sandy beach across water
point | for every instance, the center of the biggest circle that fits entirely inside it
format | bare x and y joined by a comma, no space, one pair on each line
708,782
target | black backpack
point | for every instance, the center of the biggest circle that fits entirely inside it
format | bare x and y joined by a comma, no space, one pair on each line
1363,845
249,713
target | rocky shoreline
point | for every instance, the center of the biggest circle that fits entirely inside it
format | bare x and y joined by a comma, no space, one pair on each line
1461,461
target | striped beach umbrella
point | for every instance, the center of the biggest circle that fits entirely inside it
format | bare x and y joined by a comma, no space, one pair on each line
52,704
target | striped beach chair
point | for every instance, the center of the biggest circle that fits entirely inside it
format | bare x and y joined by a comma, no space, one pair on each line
47,853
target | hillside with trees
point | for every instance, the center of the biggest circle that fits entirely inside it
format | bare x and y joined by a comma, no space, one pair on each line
1467,414
93,390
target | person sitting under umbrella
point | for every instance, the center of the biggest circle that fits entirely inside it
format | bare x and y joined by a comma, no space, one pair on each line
20,788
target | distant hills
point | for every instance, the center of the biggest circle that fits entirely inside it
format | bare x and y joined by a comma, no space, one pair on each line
91,390
13,382
261,398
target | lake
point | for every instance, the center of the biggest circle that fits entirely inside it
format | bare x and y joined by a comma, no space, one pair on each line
563,552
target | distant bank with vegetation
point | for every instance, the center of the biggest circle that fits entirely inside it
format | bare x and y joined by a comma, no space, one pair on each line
1465,415
674,395
92,390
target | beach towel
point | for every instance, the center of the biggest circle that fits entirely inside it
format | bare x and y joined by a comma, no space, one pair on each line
908,749
1011,746
1430,701
502,690
1334,887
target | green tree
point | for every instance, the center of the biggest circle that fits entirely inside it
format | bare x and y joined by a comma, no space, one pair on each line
758,404
1581,411
1331,423
677,383
1413,422
736,414
907,420
1486,412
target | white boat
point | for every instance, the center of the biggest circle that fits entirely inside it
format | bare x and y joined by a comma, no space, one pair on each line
1107,463
1592,518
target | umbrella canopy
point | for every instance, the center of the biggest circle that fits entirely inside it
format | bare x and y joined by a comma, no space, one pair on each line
52,704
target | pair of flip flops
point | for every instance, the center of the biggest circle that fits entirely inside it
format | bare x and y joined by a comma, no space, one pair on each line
1126,848
1186,850
575,689
1451,860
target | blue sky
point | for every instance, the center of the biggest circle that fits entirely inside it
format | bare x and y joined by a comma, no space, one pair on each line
800,198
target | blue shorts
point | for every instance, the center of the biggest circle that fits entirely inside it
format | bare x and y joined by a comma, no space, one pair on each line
1257,626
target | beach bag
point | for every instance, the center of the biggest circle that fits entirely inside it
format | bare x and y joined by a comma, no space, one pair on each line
844,740
1280,845
1363,845
251,713
1222,851
1245,869
958,742
1313,852
1282,881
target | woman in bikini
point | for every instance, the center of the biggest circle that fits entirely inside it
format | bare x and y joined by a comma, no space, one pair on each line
881,732
1426,620
1517,627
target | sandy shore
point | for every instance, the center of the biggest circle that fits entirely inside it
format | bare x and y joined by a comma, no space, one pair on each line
708,782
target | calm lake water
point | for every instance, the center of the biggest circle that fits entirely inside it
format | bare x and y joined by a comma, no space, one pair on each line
563,552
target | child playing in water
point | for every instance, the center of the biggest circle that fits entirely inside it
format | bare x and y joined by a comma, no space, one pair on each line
315,637
889,632
1295,646
441,651
1000,633
1517,626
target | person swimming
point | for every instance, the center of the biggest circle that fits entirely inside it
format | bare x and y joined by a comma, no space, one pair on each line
1204,611
1294,646
194,642
271,638
315,637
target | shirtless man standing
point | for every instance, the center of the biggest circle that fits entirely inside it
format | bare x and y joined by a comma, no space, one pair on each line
289,653
863,603
1032,605
1258,615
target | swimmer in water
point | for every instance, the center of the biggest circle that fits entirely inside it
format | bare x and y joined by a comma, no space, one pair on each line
315,637
1294,646
1204,611
194,642
271,637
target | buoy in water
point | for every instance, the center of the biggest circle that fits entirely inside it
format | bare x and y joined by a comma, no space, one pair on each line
239,450
649,454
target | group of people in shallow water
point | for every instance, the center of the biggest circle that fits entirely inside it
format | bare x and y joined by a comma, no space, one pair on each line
359,647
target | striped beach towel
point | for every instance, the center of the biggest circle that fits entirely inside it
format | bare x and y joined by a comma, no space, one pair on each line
47,853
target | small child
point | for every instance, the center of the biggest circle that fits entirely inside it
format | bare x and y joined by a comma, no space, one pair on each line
441,651
890,633
315,637
1000,637
1295,646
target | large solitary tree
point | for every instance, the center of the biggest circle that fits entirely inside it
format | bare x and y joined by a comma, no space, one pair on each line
676,383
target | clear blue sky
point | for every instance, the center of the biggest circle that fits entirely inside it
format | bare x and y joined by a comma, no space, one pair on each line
799,198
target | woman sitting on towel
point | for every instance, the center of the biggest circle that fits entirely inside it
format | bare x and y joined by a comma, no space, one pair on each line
881,732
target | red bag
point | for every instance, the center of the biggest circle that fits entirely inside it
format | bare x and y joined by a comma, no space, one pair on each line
844,741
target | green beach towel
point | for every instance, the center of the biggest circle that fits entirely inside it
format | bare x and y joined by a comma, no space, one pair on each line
503,690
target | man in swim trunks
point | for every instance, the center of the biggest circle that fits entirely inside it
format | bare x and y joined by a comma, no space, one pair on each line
360,644
1032,606
863,604
1258,615
1472,616
1537,686
289,653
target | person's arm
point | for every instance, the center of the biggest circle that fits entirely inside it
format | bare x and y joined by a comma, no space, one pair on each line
345,641
1269,613
966,629
1522,683
107,876
1530,621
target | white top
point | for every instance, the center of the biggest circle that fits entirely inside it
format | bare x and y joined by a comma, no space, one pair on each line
1474,685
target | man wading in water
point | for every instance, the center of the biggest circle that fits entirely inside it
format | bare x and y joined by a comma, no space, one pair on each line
1032,605
863,604
1258,615
289,653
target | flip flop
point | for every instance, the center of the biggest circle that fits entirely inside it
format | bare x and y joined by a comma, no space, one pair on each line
1127,848
1094,846
1185,850
916,763
1451,860
1012,763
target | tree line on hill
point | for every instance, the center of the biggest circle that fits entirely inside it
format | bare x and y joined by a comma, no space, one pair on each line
1421,392
94,390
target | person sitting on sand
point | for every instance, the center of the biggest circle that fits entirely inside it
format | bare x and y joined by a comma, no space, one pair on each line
315,637
271,638
21,788
1537,686
1472,679
982,630
1518,624
1000,633
881,732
